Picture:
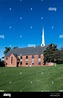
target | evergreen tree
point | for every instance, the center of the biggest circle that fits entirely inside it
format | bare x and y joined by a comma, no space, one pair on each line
51,54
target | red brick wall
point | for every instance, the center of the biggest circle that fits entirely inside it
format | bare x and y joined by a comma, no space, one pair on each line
42,59
6,61
36,60
24,61
14,64
29,60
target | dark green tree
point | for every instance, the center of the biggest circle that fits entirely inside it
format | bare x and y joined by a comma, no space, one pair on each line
6,50
51,54
60,59
62,48
2,64
15,47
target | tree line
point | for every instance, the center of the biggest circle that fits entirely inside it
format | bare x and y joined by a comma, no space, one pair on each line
53,54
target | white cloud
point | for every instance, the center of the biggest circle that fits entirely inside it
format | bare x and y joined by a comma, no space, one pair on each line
52,9
61,36
2,36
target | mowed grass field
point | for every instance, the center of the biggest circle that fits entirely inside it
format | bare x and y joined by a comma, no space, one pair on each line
31,79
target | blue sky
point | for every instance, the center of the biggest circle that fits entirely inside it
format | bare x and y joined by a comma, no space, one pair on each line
21,22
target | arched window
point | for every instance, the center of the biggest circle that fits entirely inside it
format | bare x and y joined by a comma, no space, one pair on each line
11,60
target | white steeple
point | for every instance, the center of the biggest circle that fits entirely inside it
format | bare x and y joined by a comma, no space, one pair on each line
43,41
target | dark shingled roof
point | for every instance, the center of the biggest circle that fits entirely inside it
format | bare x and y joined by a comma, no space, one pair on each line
16,56
27,51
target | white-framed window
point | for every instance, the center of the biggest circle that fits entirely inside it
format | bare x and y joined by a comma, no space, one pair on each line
39,59
26,62
32,62
32,59
20,57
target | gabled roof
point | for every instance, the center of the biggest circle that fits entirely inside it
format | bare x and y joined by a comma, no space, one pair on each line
27,51
15,56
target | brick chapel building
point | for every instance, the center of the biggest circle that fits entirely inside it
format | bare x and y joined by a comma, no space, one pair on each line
29,56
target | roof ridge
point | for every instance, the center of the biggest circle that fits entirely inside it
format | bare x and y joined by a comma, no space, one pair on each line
27,51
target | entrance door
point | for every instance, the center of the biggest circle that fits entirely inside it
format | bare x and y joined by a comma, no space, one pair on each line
17,64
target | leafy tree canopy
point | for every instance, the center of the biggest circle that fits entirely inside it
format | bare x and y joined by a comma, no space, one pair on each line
15,47
6,50
51,53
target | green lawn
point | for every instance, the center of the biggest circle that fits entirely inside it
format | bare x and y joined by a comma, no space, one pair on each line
31,79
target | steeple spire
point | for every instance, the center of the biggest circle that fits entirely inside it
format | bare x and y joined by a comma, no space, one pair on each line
43,41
